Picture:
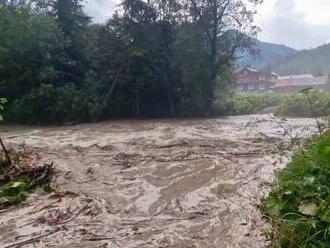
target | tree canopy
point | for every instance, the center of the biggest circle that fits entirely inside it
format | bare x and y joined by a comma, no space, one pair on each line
153,58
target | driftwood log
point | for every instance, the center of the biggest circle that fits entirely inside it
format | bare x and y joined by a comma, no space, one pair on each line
8,158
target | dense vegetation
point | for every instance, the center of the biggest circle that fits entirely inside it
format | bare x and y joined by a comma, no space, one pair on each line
256,103
314,61
20,173
288,61
2,103
299,104
316,103
151,59
266,55
299,204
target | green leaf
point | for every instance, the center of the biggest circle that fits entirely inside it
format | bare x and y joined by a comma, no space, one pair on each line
273,206
309,180
14,188
325,217
4,200
18,185
48,188
308,208
327,149
22,196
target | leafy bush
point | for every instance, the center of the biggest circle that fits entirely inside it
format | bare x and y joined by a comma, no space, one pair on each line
54,104
298,105
21,176
35,106
2,102
299,204
13,193
302,104
252,104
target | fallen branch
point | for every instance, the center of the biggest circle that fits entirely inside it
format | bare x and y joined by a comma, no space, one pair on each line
8,158
32,240
99,238
25,173
75,216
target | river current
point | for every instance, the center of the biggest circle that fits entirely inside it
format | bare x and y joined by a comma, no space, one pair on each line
156,183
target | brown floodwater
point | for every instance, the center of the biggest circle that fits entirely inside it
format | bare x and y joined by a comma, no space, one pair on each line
159,183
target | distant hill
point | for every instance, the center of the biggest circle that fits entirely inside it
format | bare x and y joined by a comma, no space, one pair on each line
269,54
314,61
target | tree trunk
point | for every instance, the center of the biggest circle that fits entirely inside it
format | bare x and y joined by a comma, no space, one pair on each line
213,60
169,90
210,88
137,100
171,103
8,158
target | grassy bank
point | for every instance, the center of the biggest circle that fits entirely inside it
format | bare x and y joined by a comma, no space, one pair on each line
299,204
253,104
303,104
287,105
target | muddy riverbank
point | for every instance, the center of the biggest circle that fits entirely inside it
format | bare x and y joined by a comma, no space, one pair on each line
162,183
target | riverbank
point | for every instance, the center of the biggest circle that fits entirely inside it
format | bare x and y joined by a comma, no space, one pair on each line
299,204
300,104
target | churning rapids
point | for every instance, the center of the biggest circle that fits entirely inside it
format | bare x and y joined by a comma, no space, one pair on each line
160,183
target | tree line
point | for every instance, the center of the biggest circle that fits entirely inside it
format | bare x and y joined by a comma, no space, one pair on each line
155,58
315,61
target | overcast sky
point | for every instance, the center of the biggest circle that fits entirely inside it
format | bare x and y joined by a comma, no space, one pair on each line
296,23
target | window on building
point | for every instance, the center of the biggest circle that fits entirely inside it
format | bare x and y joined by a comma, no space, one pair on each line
262,77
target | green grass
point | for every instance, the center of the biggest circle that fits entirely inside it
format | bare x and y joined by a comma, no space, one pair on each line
299,203
252,104
285,105
298,105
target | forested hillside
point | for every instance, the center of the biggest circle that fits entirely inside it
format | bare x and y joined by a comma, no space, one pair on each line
265,55
314,61
151,59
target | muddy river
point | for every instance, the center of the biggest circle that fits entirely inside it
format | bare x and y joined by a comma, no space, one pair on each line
161,183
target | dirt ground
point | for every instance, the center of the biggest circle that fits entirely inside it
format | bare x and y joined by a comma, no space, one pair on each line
161,183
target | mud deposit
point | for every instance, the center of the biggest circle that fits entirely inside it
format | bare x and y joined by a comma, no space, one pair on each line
191,183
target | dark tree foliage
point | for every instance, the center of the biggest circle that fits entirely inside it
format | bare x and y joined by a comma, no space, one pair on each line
74,25
156,58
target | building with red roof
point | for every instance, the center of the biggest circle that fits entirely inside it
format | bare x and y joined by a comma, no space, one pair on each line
249,79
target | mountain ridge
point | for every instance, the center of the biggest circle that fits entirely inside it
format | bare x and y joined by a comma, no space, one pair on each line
268,54
315,61
285,60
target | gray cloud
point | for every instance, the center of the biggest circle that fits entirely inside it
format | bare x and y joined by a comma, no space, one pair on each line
285,25
289,26
100,10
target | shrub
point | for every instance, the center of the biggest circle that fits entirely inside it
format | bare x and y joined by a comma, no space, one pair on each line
299,204
55,105
34,107
252,104
298,105
316,103
3,101
21,176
